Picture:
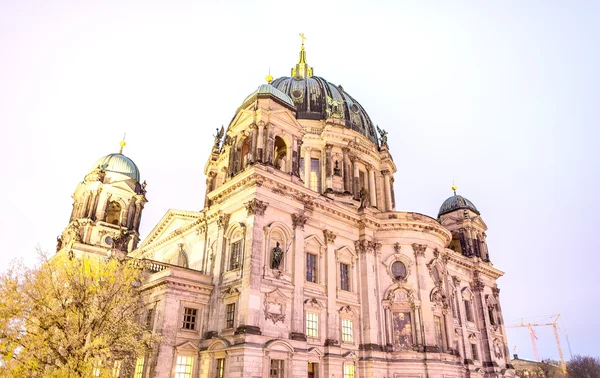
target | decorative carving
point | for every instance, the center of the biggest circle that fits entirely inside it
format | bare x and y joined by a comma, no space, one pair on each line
217,137
496,291
223,220
497,349
477,285
456,280
329,236
397,247
299,220
274,307
363,195
256,207
120,241
419,249
367,246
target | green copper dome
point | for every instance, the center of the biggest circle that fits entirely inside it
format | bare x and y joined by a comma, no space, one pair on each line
266,90
457,202
118,163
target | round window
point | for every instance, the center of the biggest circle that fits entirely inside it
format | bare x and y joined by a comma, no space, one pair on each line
398,270
297,95
354,108
108,240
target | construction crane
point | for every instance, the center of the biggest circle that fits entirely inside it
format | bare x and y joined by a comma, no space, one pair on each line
554,325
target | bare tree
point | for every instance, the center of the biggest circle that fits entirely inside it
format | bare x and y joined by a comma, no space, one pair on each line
583,367
71,318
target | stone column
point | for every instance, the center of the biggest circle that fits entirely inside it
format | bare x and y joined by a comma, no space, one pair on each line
307,167
332,336
138,214
250,153
356,179
487,344
260,142
102,208
95,202
270,145
346,170
386,189
298,154
298,280
372,189
392,192
328,167
254,140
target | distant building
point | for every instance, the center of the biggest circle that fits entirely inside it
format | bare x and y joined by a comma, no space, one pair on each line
300,265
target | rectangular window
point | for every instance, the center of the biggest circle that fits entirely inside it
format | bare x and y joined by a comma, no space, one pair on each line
315,175
301,169
344,277
438,331
229,315
117,368
189,318
474,352
220,368
149,318
348,371
312,325
139,368
468,311
183,368
276,370
347,331
313,370
235,255
311,267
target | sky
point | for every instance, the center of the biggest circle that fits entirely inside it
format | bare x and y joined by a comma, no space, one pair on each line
501,98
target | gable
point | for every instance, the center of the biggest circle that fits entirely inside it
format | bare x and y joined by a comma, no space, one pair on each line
172,221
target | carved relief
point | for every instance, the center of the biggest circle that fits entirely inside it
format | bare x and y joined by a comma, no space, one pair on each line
299,220
223,220
367,246
419,249
275,306
256,207
497,348
329,236
397,247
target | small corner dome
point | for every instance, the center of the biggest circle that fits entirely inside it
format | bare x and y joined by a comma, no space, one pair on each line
266,90
457,202
118,163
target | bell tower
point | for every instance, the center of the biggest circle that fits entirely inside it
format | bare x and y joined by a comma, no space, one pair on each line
461,217
107,209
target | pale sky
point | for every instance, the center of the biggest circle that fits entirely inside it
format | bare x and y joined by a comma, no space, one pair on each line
502,98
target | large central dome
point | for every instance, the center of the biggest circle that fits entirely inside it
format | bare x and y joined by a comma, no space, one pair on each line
317,99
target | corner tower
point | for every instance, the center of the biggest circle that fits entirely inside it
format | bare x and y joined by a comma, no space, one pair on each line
107,208
461,217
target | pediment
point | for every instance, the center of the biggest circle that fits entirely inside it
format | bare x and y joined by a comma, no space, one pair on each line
188,345
172,221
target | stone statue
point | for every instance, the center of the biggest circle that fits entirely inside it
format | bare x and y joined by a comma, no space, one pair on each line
337,171
218,137
58,243
363,194
277,254
382,135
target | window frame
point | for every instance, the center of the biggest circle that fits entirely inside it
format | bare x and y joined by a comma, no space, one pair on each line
345,282
230,322
220,367
280,368
350,327
185,373
314,269
184,321
312,318
235,254
349,374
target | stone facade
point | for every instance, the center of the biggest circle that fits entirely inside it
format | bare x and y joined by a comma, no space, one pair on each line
300,265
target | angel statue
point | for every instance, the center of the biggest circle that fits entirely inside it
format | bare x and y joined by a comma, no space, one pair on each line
382,135
218,137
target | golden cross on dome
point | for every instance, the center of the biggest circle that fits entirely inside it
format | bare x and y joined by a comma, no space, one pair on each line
303,39
122,143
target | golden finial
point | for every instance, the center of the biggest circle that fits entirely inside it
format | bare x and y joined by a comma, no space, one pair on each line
269,78
454,188
302,70
122,144
303,39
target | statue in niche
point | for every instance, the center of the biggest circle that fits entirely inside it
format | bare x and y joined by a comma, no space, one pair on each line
276,256
363,194
337,171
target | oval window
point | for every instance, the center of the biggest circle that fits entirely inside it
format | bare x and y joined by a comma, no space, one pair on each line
398,270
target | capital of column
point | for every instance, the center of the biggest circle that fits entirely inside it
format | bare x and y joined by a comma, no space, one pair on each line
354,158
385,172
329,147
419,249
345,150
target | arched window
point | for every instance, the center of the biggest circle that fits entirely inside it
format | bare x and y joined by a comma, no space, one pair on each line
244,156
113,215
280,157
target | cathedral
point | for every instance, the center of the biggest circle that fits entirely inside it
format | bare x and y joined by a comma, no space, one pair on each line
299,265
